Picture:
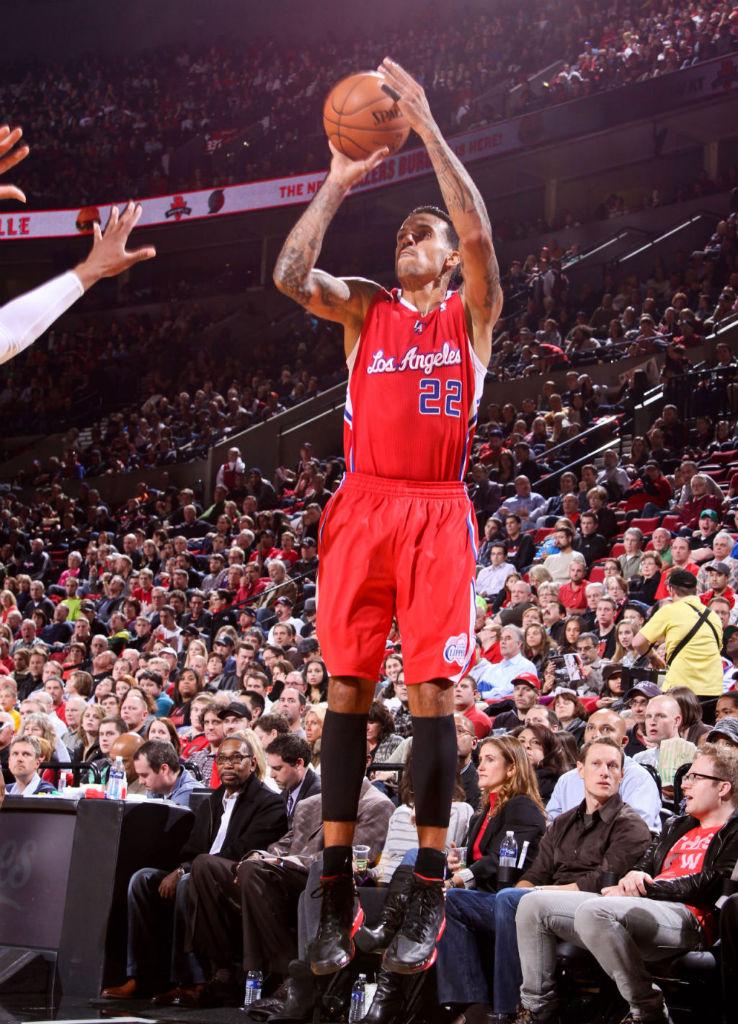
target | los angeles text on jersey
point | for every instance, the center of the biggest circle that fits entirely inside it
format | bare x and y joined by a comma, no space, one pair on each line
448,355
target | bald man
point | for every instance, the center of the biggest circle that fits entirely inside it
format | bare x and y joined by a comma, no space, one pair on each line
126,747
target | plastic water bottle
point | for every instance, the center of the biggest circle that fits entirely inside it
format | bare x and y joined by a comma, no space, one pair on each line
254,981
509,851
358,999
117,783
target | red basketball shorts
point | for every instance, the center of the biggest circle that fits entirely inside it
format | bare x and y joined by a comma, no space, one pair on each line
397,547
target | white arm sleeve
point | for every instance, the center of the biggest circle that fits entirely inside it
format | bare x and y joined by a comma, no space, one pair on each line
27,317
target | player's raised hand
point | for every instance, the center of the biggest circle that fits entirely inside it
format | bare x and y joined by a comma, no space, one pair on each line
9,157
347,172
409,94
109,255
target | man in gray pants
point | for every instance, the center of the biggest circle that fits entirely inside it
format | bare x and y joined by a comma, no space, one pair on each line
660,909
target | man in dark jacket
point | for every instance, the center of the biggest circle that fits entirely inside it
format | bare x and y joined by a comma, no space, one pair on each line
241,815
663,907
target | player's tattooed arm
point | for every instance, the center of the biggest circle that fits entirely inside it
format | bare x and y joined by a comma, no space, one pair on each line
463,201
295,274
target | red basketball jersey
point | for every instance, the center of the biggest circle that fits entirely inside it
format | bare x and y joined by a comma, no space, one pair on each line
414,388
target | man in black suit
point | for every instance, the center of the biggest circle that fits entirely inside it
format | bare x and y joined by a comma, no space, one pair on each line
241,815
288,758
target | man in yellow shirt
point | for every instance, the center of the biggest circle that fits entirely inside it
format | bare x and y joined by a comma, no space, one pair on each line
697,663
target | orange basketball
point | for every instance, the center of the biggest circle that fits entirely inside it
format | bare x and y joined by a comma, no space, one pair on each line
359,117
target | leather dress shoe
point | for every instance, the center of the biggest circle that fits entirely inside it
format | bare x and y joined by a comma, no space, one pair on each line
130,990
214,994
299,995
170,997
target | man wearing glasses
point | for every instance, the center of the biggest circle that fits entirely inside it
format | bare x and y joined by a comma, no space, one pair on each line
241,815
663,907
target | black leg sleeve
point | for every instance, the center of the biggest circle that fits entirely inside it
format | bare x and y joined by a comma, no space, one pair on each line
343,764
434,769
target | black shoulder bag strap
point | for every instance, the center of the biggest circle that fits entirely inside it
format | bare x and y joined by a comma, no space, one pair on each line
701,617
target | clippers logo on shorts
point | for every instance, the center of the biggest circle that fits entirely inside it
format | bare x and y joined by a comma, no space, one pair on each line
454,651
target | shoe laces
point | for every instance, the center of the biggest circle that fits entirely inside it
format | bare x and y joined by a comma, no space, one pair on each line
423,901
334,893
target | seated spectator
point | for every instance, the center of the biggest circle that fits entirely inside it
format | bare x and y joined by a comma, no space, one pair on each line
158,767
491,580
537,645
570,711
520,547
511,803
691,511
653,893
630,560
495,681
589,542
558,565
525,503
256,817
24,760
465,692
547,756
526,692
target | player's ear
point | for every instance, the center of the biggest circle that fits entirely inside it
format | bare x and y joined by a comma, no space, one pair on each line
452,261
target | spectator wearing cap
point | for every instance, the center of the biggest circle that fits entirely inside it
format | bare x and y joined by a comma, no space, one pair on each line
307,563
703,538
636,700
722,547
725,734
718,575
489,453
235,717
309,611
284,609
526,692
693,636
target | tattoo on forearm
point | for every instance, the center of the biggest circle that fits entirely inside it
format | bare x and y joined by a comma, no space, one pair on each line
296,262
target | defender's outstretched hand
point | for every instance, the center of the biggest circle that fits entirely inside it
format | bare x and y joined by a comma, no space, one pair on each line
9,157
109,255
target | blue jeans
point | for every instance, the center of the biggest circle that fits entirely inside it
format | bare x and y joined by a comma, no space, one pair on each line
478,958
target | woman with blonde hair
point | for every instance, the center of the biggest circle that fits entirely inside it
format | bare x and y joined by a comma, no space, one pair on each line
469,961
87,747
313,723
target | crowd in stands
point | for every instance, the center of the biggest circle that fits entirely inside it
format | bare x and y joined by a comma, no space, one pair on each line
177,409
115,128
182,639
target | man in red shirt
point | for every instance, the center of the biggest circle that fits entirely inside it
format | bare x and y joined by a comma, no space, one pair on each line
573,595
681,558
464,693
718,575
664,905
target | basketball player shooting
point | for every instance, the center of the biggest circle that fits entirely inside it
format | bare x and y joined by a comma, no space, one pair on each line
417,358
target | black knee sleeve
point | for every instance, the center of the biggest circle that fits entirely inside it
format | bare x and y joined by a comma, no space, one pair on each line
342,764
434,769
